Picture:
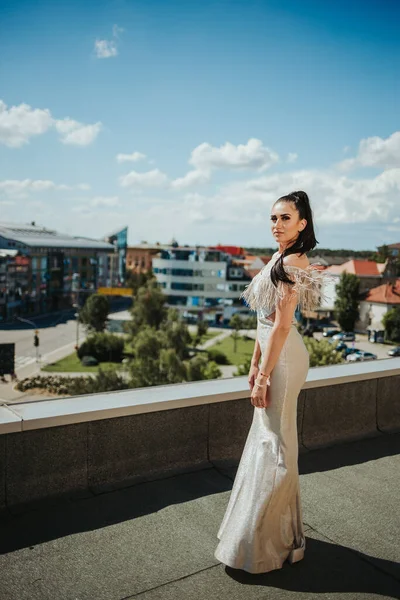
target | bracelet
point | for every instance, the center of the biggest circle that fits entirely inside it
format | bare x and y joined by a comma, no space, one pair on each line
268,381
260,385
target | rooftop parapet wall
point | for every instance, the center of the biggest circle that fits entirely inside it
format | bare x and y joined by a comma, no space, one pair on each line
73,447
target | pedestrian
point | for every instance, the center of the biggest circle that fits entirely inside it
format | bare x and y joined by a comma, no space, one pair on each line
262,526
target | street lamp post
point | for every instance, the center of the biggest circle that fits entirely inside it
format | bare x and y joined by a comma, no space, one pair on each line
76,315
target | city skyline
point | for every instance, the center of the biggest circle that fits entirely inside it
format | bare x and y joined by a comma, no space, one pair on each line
188,120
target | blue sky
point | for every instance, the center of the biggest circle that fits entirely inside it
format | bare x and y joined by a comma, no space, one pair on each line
188,119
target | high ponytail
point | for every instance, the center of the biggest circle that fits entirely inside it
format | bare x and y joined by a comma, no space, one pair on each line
306,239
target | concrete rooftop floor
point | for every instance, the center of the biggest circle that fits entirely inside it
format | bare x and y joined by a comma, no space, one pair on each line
155,540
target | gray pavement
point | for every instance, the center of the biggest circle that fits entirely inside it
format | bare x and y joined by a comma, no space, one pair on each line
362,343
156,540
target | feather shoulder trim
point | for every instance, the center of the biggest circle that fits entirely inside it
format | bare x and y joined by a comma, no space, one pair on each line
261,293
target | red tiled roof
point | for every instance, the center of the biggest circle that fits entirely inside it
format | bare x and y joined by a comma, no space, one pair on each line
356,266
387,293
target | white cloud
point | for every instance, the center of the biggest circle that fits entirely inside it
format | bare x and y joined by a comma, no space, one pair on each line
105,48
375,152
108,48
101,201
334,200
117,30
21,188
252,155
194,177
291,157
20,123
206,158
134,157
154,178
77,134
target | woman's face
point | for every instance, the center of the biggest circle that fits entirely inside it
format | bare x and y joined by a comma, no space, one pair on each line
285,223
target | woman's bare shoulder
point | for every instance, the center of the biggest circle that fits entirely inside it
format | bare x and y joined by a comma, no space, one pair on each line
296,260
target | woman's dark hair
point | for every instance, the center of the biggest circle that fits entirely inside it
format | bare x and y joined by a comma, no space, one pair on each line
306,239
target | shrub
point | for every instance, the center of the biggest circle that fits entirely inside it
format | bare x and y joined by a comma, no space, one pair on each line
105,381
217,356
103,346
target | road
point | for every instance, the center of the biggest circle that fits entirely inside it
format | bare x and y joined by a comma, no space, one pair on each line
55,333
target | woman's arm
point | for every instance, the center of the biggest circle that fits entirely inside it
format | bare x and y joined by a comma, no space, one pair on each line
256,354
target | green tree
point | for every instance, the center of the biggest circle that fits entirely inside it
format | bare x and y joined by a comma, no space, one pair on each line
95,312
148,308
391,323
177,333
145,366
199,368
137,280
202,328
347,301
383,253
322,353
236,323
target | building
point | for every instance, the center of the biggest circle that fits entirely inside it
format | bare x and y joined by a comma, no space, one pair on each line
372,276
376,304
14,282
139,258
394,250
50,267
199,280
112,265
369,272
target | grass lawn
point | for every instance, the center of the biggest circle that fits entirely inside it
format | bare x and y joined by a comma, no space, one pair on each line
208,336
72,364
244,349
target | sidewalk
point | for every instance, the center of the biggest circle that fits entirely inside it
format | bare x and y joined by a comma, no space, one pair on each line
156,540
7,391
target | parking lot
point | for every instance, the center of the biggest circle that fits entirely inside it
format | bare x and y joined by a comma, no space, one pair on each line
363,344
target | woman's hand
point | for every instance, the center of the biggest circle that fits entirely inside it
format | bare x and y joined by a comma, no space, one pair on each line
259,395
253,373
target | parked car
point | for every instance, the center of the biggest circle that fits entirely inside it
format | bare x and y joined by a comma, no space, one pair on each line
351,351
330,332
361,356
345,336
340,346
394,351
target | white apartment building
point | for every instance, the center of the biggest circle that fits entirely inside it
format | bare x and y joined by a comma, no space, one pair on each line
199,279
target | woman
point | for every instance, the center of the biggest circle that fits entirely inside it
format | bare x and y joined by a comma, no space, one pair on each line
262,526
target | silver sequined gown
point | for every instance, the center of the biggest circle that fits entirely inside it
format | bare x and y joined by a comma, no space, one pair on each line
262,524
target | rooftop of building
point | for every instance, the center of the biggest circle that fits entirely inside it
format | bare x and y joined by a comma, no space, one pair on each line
36,236
155,538
387,293
359,267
